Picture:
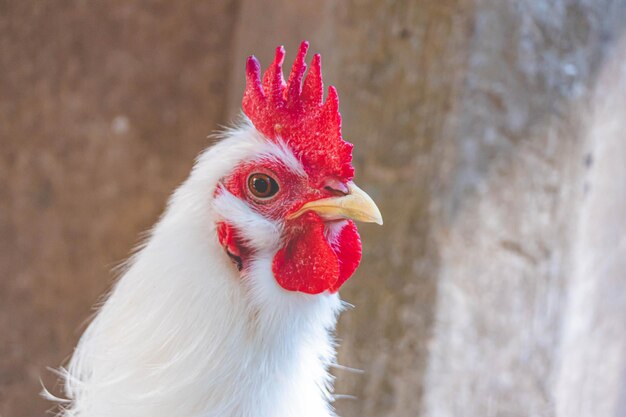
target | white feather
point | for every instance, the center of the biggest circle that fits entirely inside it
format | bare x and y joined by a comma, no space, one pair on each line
183,334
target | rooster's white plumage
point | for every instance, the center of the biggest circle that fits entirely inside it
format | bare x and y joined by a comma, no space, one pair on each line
228,309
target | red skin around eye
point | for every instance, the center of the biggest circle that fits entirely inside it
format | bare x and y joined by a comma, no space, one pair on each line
293,190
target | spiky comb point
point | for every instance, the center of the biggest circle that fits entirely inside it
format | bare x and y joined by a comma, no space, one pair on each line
295,112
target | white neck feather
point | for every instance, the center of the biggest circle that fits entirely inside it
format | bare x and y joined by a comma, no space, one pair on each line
183,334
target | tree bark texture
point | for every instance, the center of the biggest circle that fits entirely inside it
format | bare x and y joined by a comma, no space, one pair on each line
491,133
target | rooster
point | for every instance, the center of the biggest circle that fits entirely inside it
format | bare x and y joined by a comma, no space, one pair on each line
229,308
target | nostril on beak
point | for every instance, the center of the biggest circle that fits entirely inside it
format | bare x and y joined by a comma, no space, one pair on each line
336,188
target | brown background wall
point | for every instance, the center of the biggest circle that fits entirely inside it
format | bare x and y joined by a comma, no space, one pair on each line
489,131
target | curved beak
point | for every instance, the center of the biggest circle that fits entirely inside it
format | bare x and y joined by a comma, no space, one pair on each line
355,205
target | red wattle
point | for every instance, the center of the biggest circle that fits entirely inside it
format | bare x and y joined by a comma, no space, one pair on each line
348,252
306,263
309,264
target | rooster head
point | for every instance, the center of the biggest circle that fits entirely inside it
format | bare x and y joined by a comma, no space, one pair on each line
292,199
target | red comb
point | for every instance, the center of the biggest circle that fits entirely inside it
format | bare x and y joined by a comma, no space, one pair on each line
295,111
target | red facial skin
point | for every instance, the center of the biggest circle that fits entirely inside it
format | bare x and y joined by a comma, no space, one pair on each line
307,262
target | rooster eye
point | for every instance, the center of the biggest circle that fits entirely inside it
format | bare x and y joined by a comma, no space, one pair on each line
262,185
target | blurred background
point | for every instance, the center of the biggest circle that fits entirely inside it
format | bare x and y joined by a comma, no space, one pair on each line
491,133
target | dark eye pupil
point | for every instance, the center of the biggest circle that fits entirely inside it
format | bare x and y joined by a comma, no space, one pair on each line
262,185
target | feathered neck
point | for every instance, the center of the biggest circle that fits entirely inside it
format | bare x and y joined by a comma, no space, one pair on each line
180,335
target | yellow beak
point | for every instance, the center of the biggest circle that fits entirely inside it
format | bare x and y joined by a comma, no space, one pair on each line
355,205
